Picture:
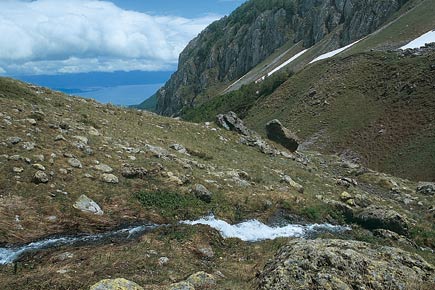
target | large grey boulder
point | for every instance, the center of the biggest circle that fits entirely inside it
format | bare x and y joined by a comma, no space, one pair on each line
343,264
376,217
202,193
280,134
116,284
86,204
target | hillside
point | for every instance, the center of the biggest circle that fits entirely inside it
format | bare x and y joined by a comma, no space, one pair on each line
229,49
137,167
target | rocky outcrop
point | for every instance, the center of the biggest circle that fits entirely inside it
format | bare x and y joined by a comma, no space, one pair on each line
426,188
230,47
375,217
340,264
280,134
85,204
231,122
116,284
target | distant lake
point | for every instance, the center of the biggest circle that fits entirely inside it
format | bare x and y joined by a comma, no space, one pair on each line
118,95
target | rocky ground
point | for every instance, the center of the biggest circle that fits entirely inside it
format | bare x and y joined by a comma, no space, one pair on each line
70,165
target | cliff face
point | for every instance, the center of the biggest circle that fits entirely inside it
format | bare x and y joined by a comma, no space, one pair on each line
230,47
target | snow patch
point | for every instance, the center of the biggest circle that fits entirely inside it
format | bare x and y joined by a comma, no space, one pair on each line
287,62
421,41
253,230
334,52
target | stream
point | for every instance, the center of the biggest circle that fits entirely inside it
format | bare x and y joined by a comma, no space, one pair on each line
248,231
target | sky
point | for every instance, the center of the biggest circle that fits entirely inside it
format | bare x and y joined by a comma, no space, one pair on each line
51,37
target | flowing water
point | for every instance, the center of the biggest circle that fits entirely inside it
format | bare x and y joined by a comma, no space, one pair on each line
249,231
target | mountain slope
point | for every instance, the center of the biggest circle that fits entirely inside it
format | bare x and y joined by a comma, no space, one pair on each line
232,46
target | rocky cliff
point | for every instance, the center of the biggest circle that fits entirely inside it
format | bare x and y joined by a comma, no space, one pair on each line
230,47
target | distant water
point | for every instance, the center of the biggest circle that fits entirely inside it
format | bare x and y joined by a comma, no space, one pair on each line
118,95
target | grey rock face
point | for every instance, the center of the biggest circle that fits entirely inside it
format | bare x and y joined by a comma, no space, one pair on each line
230,47
340,264
231,122
280,134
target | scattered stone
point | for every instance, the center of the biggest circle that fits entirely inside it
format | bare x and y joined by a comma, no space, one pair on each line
63,171
158,152
94,132
341,264
40,177
29,146
133,172
346,182
426,188
205,252
394,237
280,134
39,157
14,140
375,217
231,122
103,168
287,179
86,204
38,166
14,157
116,284
163,261
59,138
74,162
31,121
17,169
201,280
183,285
202,193
81,139
109,178
179,148
64,256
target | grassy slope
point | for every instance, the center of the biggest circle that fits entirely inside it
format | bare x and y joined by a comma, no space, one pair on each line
357,97
137,260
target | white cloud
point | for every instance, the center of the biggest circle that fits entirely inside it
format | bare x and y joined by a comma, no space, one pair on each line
52,36
2,71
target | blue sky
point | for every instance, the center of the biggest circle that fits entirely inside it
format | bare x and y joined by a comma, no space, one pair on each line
49,37
185,8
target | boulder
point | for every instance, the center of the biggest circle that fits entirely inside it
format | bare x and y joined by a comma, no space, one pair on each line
287,179
179,148
116,284
40,177
109,178
280,134
343,264
183,285
86,204
231,122
201,280
103,168
133,172
74,162
375,217
426,188
202,193
14,140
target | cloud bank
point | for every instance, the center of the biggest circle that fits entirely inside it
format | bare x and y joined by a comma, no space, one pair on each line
70,36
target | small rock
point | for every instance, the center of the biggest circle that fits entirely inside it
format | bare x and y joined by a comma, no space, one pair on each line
29,146
63,171
163,261
287,179
116,284
81,139
17,169
426,188
202,193
133,172
183,285
103,168
38,166
59,138
86,204
345,196
74,162
40,177
14,140
31,121
205,252
94,132
179,148
39,157
109,178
